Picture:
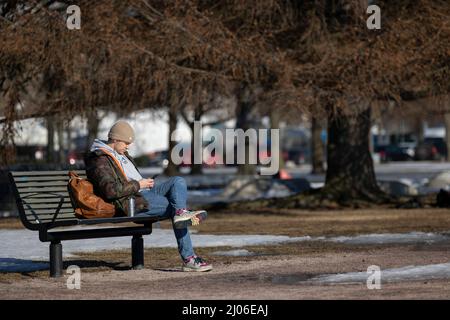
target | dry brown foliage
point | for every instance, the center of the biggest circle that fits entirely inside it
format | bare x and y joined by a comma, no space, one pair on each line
317,56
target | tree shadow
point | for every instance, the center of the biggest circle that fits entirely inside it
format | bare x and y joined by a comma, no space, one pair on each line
28,268
13,265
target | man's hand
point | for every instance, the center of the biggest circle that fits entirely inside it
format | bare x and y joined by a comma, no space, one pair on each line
146,183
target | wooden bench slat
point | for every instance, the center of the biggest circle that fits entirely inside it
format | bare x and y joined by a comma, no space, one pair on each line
49,218
45,200
43,189
21,185
43,195
51,213
45,173
54,205
44,178
43,212
61,215
47,210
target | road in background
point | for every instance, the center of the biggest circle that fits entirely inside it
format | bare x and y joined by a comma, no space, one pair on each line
415,171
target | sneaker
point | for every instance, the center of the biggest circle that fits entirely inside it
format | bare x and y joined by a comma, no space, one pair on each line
184,218
197,264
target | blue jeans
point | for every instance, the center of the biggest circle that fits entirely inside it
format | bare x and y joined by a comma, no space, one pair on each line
164,199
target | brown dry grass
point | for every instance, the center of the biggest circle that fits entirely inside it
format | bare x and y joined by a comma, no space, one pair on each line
293,222
10,223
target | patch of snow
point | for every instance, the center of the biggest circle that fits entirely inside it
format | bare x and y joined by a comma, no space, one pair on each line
427,272
24,244
316,185
440,181
388,238
234,253
205,192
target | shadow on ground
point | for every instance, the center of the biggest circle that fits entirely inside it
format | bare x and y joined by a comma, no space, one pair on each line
12,265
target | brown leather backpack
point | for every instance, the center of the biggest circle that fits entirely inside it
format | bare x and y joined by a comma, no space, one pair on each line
87,205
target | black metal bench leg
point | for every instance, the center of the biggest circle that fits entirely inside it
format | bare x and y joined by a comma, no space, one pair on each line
56,260
137,252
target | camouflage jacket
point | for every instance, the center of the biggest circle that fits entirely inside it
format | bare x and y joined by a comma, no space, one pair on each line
111,184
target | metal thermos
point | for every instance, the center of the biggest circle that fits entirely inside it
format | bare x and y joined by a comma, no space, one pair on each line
131,207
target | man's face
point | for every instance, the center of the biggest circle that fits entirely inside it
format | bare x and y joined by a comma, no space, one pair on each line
121,147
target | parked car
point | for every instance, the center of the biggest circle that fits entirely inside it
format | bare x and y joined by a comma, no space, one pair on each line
395,152
296,156
426,151
440,145
432,148
153,159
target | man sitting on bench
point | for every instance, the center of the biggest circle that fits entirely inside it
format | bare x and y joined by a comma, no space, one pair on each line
116,179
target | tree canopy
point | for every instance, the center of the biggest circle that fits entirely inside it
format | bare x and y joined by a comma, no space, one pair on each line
314,56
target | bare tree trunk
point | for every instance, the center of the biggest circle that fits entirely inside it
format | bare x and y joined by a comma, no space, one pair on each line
60,133
447,134
275,124
418,128
196,168
50,139
8,152
317,154
350,171
68,130
92,125
172,169
243,121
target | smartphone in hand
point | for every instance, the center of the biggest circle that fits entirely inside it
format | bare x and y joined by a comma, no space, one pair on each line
153,177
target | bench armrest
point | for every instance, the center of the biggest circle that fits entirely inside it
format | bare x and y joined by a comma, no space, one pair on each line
55,215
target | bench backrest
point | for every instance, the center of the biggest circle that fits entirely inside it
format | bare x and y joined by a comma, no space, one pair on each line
38,195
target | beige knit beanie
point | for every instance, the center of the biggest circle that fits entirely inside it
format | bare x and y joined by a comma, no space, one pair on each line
122,131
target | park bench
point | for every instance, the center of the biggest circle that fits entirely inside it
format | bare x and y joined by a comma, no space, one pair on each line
44,203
